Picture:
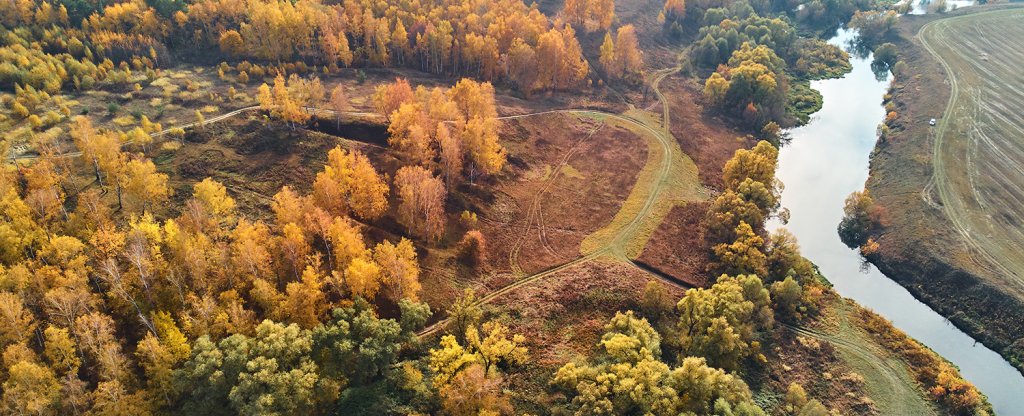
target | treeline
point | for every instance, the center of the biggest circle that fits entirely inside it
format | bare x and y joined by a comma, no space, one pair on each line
690,355
758,65
111,309
502,40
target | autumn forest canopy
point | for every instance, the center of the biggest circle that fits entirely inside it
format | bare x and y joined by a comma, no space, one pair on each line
189,223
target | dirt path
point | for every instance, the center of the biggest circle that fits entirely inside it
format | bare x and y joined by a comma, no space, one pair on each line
978,153
669,177
887,379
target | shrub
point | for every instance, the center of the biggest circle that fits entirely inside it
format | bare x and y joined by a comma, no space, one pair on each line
472,250
935,374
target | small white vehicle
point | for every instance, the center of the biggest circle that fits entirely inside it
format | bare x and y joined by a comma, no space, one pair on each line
931,122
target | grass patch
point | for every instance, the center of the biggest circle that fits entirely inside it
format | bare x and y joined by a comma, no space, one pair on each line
802,101
658,189
571,172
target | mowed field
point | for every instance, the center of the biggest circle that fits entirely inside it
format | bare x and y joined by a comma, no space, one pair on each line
978,149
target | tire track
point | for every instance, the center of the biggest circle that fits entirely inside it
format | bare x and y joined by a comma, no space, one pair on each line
972,213
890,383
534,212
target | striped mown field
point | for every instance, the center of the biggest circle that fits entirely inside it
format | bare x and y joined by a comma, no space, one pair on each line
978,157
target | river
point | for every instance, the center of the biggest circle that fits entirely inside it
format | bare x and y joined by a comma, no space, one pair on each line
826,160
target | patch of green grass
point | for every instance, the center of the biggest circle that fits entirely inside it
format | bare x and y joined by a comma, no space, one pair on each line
802,101
668,178
571,172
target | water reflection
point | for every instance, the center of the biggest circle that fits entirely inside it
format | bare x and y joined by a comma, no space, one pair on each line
825,161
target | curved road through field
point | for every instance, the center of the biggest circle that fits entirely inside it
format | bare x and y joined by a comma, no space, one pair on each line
886,378
615,247
623,232
978,145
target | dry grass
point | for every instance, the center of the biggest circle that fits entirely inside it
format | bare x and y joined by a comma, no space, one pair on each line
921,246
979,148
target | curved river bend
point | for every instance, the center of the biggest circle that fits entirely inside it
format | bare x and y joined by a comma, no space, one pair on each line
826,160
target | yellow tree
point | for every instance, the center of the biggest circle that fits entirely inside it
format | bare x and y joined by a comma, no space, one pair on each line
472,392
388,97
627,51
480,139
410,134
289,207
757,164
30,388
474,99
293,247
521,66
145,184
422,197
345,243
573,68
305,301
451,155
363,278
16,321
214,199
715,88
60,350
744,255
349,183
249,250
265,98
550,57
338,103
231,43
607,58
674,10
399,268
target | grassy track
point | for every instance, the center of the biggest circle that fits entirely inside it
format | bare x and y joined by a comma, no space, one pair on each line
978,152
887,380
669,177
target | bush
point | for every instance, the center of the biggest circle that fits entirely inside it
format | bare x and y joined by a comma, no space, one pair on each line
112,108
935,374
860,220
472,250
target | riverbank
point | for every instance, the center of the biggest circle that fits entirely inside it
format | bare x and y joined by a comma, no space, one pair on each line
918,246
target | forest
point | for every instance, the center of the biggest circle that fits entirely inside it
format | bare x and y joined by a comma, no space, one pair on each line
131,286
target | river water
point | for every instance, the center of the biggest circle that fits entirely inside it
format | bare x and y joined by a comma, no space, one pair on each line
825,161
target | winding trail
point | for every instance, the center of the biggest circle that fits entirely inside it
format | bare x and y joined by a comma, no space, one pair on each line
622,231
887,380
629,224
977,154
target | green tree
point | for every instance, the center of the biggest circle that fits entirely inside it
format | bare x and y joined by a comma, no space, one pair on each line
723,323
357,346
627,377
861,217
269,373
